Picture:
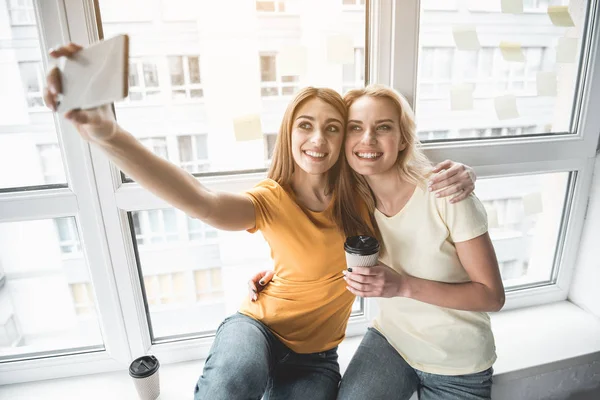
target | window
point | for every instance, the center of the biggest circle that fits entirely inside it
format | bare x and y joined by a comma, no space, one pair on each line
32,78
143,80
435,71
198,230
270,6
157,145
165,288
433,135
193,153
39,308
270,140
155,226
185,77
209,284
51,161
67,235
354,74
83,298
21,12
350,3
273,84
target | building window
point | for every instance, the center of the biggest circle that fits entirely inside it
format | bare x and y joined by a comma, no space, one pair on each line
433,135
193,153
51,161
198,230
32,78
353,3
270,140
353,75
185,77
157,145
435,71
166,288
83,298
209,284
143,80
21,12
155,226
270,6
273,84
67,235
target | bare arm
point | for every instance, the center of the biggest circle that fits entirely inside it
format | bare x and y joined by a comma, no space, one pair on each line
485,292
164,179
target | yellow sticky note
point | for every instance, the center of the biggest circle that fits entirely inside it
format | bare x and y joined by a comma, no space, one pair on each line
340,49
465,37
461,97
512,51
292,60
566,51
532,203
506,107
546,83
559,15
512,6
247,127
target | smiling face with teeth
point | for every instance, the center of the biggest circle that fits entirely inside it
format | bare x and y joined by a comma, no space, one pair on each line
373,138
317,136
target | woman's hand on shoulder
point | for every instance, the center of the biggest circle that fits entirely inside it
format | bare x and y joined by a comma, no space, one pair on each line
377,281
452,179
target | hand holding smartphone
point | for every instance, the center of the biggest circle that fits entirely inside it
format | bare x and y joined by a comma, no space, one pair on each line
95,75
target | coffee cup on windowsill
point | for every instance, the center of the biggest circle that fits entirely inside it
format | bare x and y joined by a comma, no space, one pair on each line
144,371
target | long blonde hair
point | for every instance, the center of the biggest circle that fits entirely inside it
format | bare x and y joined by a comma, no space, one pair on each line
283,165
355,197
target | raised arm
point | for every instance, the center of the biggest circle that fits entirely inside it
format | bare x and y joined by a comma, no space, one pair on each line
164,179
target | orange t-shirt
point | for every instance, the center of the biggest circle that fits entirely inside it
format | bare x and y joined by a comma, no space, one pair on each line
306,305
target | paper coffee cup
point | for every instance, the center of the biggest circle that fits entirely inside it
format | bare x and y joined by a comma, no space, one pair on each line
144,371
361,251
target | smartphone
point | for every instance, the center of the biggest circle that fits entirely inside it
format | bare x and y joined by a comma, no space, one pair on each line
96,75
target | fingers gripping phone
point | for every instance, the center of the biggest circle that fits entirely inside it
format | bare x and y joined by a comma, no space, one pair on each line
95,75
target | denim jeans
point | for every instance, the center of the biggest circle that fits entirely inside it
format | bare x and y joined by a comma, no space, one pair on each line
377,371
247,362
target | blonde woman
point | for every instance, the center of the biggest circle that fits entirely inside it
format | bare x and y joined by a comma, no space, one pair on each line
283,346
438,275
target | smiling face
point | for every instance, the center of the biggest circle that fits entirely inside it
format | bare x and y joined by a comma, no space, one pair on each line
317,135
373,137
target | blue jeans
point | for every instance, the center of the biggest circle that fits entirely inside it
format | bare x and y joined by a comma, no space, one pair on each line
247,361
377,371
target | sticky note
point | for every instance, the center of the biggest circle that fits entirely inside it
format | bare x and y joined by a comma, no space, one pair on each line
546,83
465,38
492,217
512,6
566,51
340,49
559,15
532,203
292,60
506,107
247,127
512,51
461,97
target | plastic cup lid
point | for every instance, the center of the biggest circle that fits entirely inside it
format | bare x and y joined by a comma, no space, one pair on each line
143,367
361,245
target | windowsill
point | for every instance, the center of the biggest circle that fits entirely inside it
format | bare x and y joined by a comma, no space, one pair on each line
529,342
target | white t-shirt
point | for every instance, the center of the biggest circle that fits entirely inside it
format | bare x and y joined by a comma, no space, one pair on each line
419,241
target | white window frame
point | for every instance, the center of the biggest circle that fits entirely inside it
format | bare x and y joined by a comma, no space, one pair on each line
188,85
99,201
